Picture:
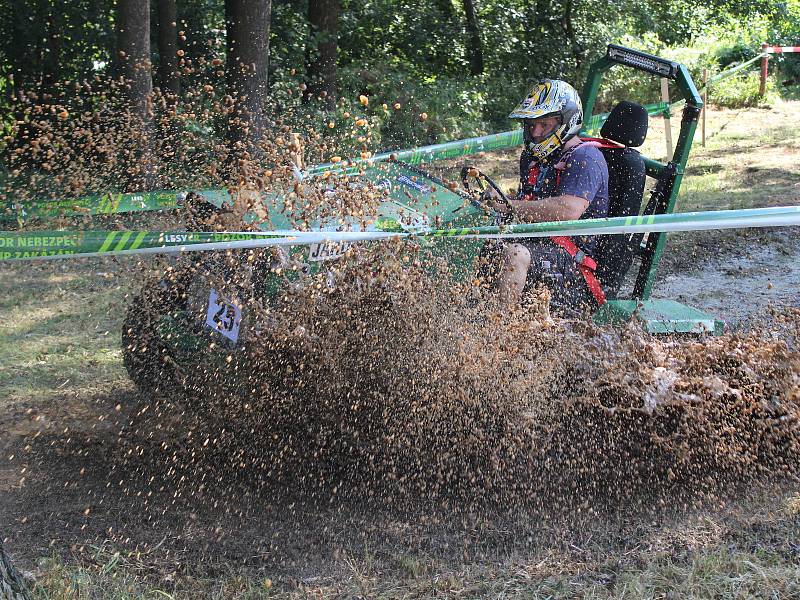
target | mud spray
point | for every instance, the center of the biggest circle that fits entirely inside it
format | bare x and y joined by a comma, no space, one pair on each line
396,383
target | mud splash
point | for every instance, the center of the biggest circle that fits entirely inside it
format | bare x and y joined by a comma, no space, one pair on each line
399,383
396,387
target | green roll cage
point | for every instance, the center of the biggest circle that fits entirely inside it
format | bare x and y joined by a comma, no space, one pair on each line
669,175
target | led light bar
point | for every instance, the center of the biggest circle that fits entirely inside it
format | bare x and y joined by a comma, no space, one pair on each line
642,61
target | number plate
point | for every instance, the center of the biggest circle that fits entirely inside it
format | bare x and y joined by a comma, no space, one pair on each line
327,250
223,316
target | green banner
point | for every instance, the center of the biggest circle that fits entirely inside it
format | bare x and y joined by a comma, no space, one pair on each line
732,71
108,204
57,243
459,148
415,156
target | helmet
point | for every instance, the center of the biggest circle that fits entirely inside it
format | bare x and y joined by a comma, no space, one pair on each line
550,98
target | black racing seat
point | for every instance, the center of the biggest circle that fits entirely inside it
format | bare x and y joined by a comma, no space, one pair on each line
626,125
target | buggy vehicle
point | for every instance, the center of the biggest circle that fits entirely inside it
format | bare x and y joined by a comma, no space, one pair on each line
203,303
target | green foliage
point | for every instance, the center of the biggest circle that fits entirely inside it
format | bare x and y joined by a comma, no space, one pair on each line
289,33
454,106
722,48
785,31
203,25
416,54
722,45
114,575
423,37
739,91
59,40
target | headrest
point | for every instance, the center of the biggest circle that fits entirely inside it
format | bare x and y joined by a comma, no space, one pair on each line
626,125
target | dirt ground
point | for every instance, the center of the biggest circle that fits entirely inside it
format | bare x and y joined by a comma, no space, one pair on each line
740,284
91,477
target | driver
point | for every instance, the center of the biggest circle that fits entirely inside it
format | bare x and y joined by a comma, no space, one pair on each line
561,177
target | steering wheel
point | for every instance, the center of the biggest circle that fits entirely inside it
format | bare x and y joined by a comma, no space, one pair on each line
479,195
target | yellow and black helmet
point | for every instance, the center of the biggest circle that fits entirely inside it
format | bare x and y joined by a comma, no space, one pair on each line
550,98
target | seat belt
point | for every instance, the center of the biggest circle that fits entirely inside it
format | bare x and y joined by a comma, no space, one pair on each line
586,264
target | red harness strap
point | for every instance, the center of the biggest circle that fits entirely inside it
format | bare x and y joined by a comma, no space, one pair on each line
586,264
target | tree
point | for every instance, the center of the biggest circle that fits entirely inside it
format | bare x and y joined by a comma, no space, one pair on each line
322,51
168,47
247,36
12,587
133,53
133,67
474,45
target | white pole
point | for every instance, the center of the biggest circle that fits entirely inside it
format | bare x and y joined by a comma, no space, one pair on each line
667,125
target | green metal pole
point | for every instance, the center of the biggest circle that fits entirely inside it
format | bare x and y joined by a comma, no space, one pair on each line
592,84
656,242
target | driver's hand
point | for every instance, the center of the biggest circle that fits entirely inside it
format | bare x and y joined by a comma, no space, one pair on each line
495,202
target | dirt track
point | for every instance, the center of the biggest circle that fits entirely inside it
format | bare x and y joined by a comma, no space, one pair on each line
738,280
75,496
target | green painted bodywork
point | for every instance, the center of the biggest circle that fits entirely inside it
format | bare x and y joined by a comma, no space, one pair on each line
659,316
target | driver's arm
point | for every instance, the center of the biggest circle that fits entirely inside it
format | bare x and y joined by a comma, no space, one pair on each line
585,175
556,208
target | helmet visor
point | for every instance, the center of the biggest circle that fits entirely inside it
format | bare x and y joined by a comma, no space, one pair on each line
538,130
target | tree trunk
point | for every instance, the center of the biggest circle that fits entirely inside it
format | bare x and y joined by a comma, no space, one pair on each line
133,52
12,587
322,51
247,23
474,42
133,66
168,47
52,54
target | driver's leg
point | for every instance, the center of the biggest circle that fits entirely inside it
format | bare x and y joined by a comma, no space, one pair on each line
516,261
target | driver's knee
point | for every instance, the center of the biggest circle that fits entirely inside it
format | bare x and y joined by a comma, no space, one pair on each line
516,259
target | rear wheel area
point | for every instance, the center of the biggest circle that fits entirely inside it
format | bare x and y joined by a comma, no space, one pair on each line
187,324
149,361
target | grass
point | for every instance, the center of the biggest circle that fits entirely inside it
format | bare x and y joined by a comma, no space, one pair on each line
679,564
111,574
60,343
749,161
